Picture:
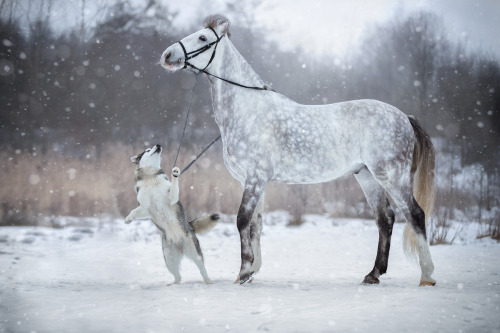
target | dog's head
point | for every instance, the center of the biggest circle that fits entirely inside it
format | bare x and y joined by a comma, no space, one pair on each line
151,157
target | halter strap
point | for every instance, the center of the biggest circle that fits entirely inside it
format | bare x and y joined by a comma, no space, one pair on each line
195,53
192,54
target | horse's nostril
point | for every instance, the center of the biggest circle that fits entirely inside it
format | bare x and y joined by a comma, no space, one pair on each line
168,55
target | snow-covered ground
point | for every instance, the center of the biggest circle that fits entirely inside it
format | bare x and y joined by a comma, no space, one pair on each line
110,277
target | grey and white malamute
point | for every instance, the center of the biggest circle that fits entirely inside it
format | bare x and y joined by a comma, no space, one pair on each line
159,201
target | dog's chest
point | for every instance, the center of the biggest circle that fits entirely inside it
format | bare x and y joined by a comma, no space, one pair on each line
153,195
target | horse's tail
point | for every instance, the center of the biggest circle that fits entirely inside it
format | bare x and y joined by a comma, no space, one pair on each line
422,173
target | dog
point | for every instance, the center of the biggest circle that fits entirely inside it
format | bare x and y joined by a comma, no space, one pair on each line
159,201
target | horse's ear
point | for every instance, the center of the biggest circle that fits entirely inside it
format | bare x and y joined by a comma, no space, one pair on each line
223,27
219,23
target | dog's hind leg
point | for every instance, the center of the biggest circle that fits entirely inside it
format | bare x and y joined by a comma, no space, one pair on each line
384,216
193,251
172,255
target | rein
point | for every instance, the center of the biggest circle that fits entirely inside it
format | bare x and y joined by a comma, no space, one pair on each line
199,155
184,131
192,54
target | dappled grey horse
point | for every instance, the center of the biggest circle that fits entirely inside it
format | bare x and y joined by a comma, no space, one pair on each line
268,137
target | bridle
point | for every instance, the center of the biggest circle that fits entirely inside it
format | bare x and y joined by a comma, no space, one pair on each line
193,54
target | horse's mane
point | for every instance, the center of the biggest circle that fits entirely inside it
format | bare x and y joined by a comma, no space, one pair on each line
214,20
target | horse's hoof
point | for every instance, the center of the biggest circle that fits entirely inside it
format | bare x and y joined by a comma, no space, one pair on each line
246,278
427,283
173,283
369,279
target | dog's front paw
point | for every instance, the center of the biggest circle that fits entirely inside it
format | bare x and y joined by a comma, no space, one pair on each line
128,219
176,172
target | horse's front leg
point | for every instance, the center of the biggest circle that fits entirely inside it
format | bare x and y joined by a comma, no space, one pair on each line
255,233
252,194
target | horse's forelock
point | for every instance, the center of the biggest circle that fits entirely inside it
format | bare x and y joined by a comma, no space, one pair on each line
214,20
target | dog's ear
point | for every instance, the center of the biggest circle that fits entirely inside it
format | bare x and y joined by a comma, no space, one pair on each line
137,158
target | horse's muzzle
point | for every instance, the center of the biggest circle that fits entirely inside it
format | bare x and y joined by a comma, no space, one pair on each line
172,59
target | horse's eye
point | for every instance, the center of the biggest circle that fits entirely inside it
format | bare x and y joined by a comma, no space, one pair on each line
203,38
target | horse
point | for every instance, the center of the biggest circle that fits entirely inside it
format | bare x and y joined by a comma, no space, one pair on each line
267,137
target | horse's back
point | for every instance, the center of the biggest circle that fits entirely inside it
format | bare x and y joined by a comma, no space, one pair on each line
324,142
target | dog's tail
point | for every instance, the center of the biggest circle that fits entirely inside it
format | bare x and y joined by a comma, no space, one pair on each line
204,224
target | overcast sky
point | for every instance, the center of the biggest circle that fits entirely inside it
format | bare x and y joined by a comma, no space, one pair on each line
321,26
335,25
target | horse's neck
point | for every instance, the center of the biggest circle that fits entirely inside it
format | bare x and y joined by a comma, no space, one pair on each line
234,67
230,65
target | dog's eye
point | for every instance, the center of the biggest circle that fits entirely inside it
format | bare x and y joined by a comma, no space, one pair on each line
148,150
203,38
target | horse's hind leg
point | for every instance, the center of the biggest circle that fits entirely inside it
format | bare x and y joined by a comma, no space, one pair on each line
415,217
384,216
399,187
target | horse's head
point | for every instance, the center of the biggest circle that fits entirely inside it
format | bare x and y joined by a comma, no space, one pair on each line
196,51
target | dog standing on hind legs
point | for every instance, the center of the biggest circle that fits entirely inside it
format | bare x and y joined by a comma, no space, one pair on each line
159,201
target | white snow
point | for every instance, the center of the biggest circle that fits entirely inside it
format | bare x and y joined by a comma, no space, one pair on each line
110,277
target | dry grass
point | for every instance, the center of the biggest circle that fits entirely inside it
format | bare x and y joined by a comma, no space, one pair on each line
440,228
51,184
33,185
